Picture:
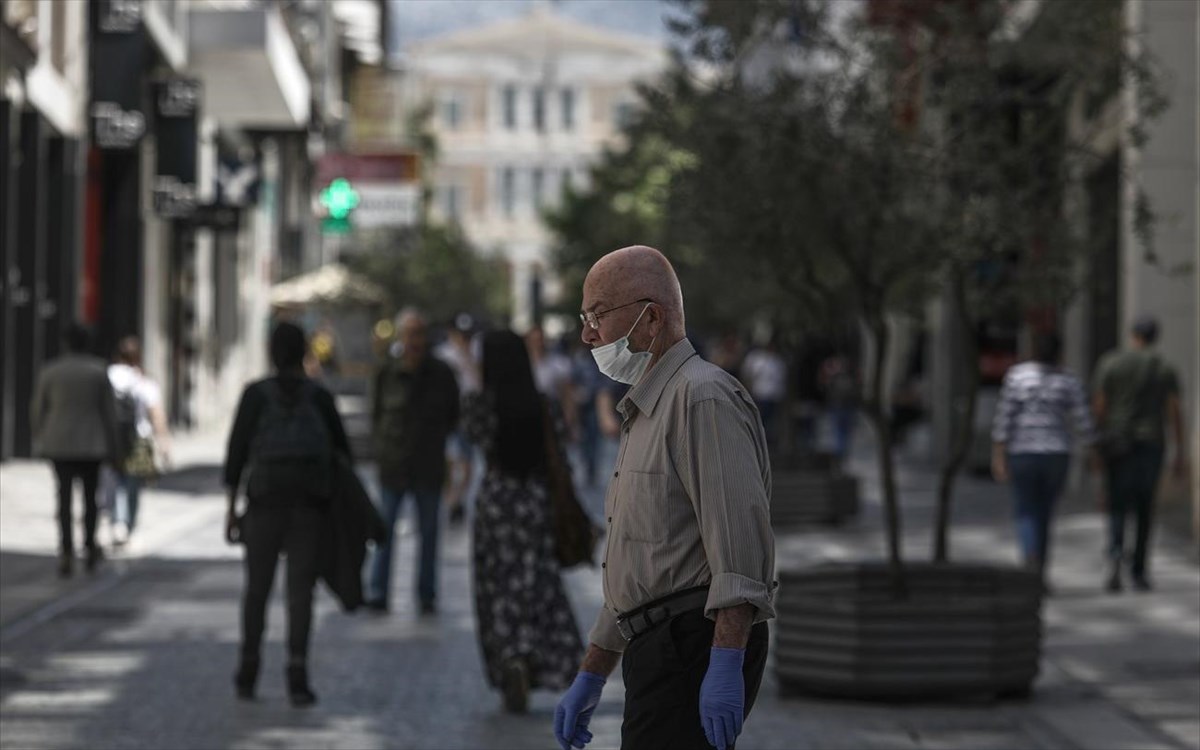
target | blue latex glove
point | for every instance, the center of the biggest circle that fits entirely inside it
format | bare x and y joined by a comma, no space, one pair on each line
723,697
575,710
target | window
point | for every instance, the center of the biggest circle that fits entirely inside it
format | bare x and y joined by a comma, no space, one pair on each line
622,114
452,112
510,107
568,108
508,191
538,188
539,109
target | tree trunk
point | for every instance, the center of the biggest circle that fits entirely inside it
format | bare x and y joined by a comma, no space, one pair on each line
963,425
881,338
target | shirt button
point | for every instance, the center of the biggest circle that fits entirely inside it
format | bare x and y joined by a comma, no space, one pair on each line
603,565
610,519
616,474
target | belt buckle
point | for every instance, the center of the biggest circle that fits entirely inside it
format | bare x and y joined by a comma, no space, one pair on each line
626,630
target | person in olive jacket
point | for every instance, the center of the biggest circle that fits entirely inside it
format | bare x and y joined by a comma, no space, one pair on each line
73,416
415,408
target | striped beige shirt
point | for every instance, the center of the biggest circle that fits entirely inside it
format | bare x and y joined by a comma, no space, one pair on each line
689,500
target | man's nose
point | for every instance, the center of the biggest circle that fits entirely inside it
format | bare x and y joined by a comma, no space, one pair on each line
589,335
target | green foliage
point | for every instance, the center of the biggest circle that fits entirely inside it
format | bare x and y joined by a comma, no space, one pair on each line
435,268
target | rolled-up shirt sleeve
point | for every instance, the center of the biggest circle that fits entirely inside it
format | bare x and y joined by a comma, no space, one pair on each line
721,468
605,633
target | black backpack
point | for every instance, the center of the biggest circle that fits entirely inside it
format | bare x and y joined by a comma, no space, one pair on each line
292,445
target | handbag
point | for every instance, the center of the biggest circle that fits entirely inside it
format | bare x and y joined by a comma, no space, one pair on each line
140,462
575,535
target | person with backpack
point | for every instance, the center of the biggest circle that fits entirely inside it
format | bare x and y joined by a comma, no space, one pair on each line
144,435
285,438
1135,396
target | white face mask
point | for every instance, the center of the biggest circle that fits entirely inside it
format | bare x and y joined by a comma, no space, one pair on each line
621,364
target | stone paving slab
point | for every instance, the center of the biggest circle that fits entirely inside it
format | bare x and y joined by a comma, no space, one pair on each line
143,656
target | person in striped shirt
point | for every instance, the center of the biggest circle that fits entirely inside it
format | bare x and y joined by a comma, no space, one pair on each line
1043,409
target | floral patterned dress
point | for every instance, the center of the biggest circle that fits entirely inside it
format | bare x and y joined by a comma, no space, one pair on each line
520,604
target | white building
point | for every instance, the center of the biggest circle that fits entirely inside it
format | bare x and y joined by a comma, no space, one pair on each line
521,109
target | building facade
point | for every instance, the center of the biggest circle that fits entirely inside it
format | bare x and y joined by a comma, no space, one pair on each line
520,109
170,186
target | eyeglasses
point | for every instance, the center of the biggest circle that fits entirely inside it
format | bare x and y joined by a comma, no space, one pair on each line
593,318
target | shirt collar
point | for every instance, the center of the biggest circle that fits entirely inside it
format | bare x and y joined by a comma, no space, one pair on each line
649,390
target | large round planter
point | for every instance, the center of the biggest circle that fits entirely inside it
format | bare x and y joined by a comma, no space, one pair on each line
809,489
961,630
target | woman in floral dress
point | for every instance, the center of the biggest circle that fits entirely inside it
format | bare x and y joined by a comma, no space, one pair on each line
527,631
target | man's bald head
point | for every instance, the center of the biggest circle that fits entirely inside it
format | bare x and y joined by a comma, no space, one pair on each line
637,272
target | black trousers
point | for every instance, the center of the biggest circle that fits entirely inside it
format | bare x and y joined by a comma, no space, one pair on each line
88,472
269,531
663,670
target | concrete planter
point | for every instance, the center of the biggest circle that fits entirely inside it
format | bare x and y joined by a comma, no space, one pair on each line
809,490
963,630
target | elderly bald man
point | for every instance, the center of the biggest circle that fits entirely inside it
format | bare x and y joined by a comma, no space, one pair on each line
690,558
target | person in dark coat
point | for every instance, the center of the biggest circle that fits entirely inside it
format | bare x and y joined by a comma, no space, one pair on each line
285,437
414,409
73,416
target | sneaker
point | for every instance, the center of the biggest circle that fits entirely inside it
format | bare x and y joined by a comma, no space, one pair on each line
516,687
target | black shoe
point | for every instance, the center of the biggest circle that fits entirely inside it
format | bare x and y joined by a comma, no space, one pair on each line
516,686
1114,585
95,556
428,608
1141,583
377,606
299,693
246,678
66,565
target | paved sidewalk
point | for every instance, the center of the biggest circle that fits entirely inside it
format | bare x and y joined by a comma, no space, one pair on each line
141,656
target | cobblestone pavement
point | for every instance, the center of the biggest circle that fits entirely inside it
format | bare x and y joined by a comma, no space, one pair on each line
141,655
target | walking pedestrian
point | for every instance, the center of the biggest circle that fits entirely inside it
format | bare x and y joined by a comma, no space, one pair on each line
456,351
1042,407
586,382
415,408
527,632
149,439
765,373
840,385
285,440
73,417
1135,395
690,555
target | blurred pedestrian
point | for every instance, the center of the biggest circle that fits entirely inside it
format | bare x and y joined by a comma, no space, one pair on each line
414,409
552,374
688,572
73,417
765,371
1042,408
527,631
586,382
456,351
149,438
1135,396
839,383
285,438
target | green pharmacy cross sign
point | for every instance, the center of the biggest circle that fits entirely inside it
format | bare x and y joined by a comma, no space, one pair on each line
340,199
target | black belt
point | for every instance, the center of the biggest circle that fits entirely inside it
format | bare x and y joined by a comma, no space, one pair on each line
636,622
